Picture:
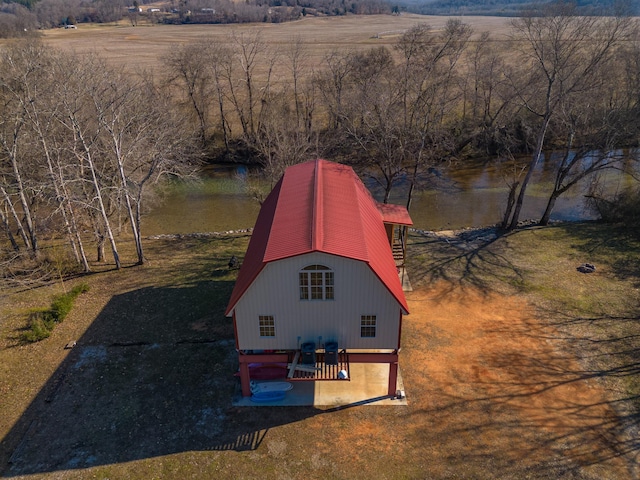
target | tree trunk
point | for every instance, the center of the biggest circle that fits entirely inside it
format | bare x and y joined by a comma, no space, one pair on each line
103,210
98,192
74,229
412,185
133,220
61,197
532,165
14,214
510,201
200,113
26,211
223,118
100,248
83,255
7,229
138,219
550,204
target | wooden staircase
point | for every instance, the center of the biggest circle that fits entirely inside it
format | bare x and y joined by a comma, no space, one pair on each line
398,253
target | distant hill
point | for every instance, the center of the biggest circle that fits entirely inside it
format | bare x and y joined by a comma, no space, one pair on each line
509,7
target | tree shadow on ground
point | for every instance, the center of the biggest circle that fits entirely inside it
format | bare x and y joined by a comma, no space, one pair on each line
466,258
152,376
506,395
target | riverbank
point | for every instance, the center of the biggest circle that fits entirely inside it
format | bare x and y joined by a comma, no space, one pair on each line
470,237
515,365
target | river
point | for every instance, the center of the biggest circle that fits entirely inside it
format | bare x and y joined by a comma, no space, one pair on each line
469,196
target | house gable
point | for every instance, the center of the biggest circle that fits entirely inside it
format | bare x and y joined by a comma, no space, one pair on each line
357,291
319,206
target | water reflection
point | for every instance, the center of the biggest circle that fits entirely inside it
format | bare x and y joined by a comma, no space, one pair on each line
473,194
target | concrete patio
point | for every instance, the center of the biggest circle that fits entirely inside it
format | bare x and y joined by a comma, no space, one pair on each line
368,386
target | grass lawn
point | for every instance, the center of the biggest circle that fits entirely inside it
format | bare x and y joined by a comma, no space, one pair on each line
515,366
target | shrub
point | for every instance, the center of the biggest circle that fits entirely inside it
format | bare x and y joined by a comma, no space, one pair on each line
624,208
78,289
37,331
61,306
43,320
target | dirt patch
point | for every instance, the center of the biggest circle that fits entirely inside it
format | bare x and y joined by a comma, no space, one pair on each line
493,383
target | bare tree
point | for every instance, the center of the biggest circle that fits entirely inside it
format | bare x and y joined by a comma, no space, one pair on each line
38,102
560,54
116,106
219,57
296,55
429,85
16,21
370,116
332,83
244,89
19,70
190,70
84,141
108,10
79,116
281,140
143,141
488,108
596,126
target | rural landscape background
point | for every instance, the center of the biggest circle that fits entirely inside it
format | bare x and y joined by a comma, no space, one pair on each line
18,16
516,365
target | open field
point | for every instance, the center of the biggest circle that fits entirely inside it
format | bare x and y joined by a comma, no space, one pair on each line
515,366
142,47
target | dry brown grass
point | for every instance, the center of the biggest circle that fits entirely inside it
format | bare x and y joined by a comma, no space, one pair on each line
143,46
504,378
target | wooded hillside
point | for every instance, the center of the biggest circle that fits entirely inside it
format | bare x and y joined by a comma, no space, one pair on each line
511,7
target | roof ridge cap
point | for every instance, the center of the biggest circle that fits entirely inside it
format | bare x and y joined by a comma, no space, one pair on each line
361,189
317,232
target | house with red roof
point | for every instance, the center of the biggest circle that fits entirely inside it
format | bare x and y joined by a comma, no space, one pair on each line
318,288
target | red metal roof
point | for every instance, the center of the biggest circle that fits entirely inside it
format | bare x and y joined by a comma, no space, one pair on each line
395,214
319,206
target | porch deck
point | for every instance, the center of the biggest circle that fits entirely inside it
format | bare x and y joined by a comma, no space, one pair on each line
320,370
369,386
287,365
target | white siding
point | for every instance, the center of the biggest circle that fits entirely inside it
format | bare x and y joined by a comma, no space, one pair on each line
357,292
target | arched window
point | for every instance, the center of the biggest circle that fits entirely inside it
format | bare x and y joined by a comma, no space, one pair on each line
316,283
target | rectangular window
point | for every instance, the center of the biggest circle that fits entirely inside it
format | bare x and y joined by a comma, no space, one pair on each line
267,326
368,326
316,283
304,286
328,285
